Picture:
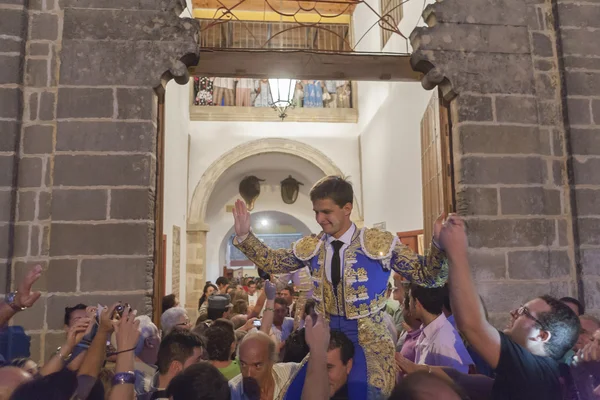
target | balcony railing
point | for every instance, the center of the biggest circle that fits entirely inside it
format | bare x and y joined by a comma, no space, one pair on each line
244,99
274,35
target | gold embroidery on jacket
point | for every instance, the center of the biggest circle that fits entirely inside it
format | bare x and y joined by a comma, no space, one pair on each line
377,244
375,340
269,260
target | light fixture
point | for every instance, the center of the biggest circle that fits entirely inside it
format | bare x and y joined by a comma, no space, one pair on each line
264,222
282,93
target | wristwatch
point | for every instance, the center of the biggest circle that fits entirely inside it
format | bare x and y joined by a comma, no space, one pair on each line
66,358
10,300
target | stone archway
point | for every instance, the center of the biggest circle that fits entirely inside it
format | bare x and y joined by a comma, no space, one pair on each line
197,228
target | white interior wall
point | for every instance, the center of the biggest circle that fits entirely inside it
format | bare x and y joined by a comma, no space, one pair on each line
209,140
175,184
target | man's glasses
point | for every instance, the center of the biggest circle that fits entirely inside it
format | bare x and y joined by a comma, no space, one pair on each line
523,310
187,322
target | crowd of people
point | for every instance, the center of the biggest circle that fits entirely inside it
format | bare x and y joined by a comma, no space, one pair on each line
277,337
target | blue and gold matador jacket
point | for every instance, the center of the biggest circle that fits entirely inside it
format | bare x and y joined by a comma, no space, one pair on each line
368,262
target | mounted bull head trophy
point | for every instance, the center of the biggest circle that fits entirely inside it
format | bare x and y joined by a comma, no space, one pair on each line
250,190
289,190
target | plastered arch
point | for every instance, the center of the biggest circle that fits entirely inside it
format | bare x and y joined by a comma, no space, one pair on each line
210,178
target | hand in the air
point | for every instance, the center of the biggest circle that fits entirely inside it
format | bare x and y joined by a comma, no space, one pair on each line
127,330
437,227
270,290
317,335
453,237
241,218
25,297
76,333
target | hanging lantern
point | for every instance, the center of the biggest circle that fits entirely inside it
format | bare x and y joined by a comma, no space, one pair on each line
289,190
282,93
250,190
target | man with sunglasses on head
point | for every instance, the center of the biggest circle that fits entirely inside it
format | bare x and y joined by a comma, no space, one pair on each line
525,356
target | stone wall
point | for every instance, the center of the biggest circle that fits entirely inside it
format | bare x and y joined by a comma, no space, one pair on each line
517,163
80,99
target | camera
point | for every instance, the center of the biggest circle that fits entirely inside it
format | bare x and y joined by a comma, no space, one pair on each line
257,323
119,310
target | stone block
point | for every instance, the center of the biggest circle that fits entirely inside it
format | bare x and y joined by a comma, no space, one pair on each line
588,202
30,172
35,346
472,108
136,103
105,136
112,63
6,170
503,297
477,201
581,62
511,233
580,41
579,111
103,239
85,103
37,139
546,85
4,244
579,15
563,234
33,105
476,38
33,319
544,65
503,139
586,171
134,25
44,26
6,205
9,132
559,173
507,170
13,22
549,113
591,290
10,102
21,240
111,4
585,141
542,45
44,204
487,265
113,170
516,109
27,204
590,262
132,204
11,69
11,45
47,106
36,73
39,49
99,275
589,230
530,200
35,5
57,304
596,111
75,205
486,12
61,276
542,264
558,142
582,83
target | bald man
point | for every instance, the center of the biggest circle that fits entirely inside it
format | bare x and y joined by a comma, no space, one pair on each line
10,379
425,386
257,354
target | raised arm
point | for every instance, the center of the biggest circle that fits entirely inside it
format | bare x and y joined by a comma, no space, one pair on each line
466,305
429,271
269,260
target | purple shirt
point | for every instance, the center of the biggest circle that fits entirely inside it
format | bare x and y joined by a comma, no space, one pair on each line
440,345
408,348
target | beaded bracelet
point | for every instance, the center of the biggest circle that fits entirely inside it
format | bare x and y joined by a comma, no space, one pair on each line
122,378
269,309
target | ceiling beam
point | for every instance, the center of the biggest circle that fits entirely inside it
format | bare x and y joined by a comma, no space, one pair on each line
305,65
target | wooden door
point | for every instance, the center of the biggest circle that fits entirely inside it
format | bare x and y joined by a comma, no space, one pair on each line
160,240
436,163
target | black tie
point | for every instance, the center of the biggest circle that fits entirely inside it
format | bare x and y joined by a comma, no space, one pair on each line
336,264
